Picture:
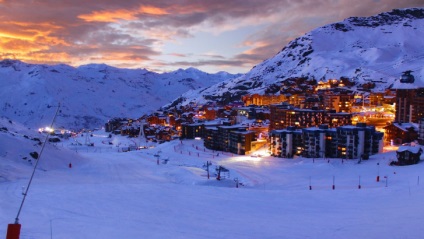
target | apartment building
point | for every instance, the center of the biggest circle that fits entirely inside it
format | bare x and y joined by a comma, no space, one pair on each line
348,142
286,142
284,115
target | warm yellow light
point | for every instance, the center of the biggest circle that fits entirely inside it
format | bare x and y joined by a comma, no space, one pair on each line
46,129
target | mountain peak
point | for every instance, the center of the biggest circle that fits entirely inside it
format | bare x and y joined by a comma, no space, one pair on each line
396,16
363,49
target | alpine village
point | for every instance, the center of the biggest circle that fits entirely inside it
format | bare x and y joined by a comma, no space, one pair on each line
307,118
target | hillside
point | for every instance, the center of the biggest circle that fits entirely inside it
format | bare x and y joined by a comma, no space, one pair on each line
19,148
91,94
364,49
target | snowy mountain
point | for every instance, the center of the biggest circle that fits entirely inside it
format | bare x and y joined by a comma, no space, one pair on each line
91,94
364,49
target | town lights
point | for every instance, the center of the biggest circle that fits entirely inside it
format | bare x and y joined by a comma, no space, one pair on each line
46,130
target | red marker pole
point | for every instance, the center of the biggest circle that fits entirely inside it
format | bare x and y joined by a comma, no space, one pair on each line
359,185
207,166
334,186
13,231
310,185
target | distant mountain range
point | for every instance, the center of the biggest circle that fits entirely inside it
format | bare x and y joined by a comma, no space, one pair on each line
91,94
373,49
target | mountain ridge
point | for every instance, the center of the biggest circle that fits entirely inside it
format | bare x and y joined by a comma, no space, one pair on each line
90,94
365,49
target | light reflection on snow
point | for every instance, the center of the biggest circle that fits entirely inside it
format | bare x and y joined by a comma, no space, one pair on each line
256,158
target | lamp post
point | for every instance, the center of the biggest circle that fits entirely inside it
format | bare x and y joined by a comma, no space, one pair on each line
51,226
14,230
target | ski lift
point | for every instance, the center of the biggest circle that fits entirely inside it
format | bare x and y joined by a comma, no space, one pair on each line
165,160
222,173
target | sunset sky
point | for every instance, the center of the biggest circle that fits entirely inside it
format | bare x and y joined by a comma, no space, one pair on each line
165,35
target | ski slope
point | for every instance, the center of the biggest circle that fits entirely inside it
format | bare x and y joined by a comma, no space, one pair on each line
108,193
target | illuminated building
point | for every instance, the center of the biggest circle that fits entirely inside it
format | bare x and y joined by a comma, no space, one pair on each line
339,101
409,99
234,139
284,115
348,142
191,131
286,142
241,141
257,99
399,133
421,131
358,141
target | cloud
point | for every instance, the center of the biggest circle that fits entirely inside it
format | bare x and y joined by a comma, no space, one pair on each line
108,16
220,63
178,55
136,33
121,14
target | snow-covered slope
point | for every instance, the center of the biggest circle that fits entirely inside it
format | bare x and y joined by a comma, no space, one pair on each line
110,194
364,49
19,148
91,94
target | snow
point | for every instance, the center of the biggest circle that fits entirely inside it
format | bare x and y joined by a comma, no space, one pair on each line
406,126
113,194
412,149
92,94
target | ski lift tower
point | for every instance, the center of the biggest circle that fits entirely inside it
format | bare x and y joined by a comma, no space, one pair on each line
157,156
87,139
141,133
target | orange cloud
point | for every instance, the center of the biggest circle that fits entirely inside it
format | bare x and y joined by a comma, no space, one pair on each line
21,49
121,14
189,8
18,36
108,16
152,10
27,31
31,42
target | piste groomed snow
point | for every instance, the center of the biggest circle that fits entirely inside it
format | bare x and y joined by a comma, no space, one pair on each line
163,191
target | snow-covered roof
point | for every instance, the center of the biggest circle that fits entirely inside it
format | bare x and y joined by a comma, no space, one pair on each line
404,86
406,126
412,149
